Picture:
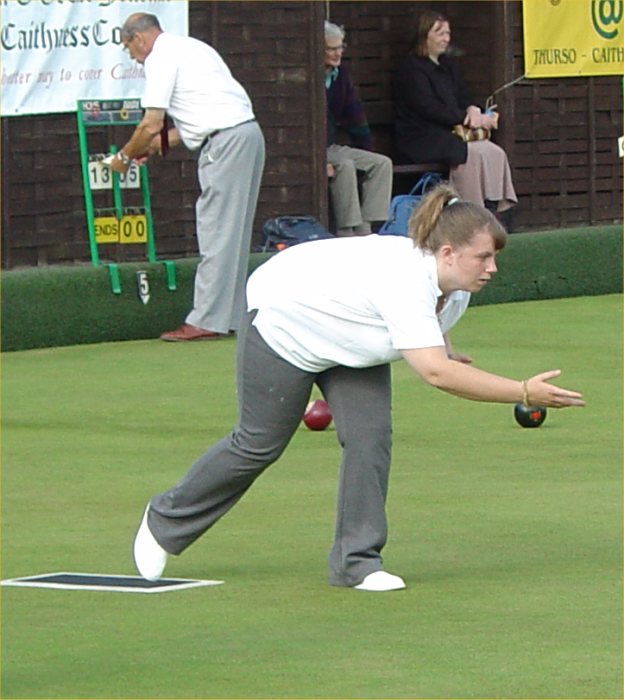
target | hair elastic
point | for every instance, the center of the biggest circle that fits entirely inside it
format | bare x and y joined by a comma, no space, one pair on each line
453,200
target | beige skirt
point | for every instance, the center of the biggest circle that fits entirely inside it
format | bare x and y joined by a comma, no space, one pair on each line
485,175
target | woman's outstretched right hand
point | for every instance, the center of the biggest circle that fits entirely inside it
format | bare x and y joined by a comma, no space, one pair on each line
542,393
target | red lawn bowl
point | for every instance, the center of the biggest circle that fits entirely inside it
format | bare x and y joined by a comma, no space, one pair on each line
317,415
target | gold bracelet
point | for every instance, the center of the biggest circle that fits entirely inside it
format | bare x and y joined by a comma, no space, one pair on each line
525,393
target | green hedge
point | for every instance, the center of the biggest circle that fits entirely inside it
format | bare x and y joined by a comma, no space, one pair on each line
553,264
72,305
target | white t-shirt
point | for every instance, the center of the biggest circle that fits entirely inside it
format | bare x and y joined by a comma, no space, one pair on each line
191,81
355,302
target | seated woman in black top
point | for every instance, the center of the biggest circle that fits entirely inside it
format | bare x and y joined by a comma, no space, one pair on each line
430,99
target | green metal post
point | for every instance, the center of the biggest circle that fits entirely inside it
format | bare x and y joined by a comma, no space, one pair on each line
86,186
116,191
151,246
103,113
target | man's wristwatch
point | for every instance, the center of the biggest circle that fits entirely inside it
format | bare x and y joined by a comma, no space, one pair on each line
126,160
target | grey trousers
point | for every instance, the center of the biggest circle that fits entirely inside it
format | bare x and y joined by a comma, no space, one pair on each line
229,169
376,185
272,396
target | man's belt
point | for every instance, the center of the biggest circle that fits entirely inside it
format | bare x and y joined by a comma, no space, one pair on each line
212,134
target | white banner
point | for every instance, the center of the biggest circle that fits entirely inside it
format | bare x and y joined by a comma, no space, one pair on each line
55,52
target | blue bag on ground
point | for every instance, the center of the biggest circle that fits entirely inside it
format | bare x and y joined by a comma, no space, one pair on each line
402,206
286,231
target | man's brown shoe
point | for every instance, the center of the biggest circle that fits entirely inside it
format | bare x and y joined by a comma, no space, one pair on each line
188,332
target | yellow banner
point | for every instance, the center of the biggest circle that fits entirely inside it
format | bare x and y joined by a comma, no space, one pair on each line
572,38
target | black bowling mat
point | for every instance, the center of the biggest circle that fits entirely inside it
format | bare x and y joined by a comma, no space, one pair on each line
106,582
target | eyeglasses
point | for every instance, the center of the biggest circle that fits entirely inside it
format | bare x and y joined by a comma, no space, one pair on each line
335,49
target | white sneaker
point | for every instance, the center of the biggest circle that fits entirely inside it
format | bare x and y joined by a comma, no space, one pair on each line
381,581
150,558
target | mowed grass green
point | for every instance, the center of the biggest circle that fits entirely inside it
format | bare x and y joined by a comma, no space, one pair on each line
510,539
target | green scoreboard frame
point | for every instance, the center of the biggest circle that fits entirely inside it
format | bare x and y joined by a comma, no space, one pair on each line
127,224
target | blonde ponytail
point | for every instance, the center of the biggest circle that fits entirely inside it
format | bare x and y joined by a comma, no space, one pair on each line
442,218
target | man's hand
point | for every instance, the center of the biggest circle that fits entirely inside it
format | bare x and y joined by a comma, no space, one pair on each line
116,163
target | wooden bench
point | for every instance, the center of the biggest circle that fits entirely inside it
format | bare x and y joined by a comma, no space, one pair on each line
419,168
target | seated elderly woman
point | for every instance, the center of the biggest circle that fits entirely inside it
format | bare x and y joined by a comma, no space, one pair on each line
360,180
430,100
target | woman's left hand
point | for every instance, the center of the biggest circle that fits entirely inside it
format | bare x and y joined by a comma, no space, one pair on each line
452,355
460,357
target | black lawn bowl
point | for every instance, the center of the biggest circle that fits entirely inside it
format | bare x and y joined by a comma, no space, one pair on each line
529,416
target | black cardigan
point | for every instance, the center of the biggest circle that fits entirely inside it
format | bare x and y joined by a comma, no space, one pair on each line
429,100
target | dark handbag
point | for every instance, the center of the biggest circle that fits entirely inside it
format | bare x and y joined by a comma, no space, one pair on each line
402,206
286,231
